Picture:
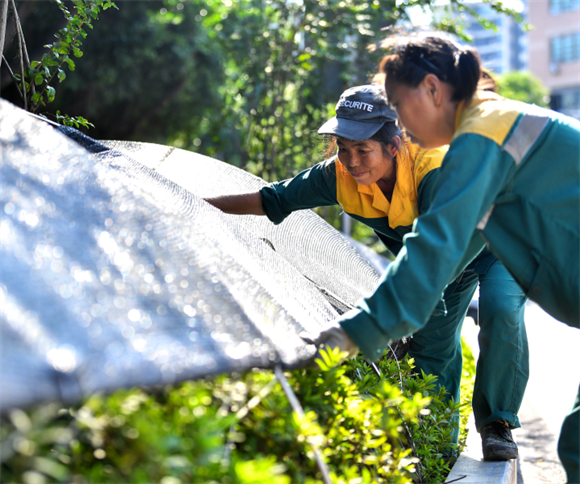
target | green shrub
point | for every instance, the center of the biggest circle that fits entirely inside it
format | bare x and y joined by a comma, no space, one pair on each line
240,429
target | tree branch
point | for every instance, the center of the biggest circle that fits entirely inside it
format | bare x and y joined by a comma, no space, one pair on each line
12,75
3,18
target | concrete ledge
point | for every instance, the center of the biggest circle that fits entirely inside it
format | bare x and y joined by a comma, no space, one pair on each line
470,467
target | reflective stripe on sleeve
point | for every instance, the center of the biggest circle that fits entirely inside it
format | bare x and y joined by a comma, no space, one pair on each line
526,134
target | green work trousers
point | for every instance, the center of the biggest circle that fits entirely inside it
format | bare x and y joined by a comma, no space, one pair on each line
503,363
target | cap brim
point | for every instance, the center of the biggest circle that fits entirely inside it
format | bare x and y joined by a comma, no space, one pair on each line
349,129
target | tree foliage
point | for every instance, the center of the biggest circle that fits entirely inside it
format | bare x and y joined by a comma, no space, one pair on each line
523,86
245,81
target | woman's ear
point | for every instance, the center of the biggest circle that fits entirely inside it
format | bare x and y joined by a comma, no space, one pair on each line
432,85
393,147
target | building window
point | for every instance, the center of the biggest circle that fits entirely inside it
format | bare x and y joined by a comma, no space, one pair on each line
561,6
566,101
490,56
565,48
484,41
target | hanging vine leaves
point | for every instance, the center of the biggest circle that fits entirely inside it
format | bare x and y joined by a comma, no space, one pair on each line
40,75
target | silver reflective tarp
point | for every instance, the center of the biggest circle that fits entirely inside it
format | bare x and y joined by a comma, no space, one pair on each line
311,245
113,275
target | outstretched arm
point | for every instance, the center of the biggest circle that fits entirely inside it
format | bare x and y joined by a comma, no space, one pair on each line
239,204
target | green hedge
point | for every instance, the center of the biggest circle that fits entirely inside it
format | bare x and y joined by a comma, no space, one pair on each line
240,429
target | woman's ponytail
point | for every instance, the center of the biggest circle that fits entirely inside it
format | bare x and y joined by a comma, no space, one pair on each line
467,74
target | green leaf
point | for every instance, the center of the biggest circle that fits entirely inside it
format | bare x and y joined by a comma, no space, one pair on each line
38,79
40,101
71,64
34,64
62,48
51,92
85,122
61,75
77,52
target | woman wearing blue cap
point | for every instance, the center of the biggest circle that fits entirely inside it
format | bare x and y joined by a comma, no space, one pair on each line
386,182
510,180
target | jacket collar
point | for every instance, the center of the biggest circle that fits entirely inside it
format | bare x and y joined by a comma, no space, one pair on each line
478,98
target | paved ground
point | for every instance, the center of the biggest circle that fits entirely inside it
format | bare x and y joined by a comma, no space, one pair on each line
538,462
554,379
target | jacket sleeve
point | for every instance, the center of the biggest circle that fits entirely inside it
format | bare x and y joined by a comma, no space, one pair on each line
314,187
425,194
443,239
426,190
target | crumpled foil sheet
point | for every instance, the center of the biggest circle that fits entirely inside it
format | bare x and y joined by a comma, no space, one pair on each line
113,275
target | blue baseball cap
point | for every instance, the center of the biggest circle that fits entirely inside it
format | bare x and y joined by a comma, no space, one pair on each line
360,112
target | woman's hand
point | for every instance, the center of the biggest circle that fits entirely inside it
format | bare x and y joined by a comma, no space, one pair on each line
239,204
333,337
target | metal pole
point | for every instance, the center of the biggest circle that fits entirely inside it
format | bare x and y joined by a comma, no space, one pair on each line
295,404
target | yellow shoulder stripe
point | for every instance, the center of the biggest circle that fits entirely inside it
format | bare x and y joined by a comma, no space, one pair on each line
488,115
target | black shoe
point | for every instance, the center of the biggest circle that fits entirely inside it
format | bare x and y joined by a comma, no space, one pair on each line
497,442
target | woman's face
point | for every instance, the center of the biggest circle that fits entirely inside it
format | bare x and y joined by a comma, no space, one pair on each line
425,111
366,160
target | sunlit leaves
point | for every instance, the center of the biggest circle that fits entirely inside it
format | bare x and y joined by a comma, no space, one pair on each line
208,431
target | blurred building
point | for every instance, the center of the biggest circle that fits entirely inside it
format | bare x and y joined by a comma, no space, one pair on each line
501,50
554,51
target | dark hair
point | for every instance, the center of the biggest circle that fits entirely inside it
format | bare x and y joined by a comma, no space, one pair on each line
412,59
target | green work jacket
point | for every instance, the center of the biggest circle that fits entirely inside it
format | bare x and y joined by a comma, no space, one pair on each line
511,179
